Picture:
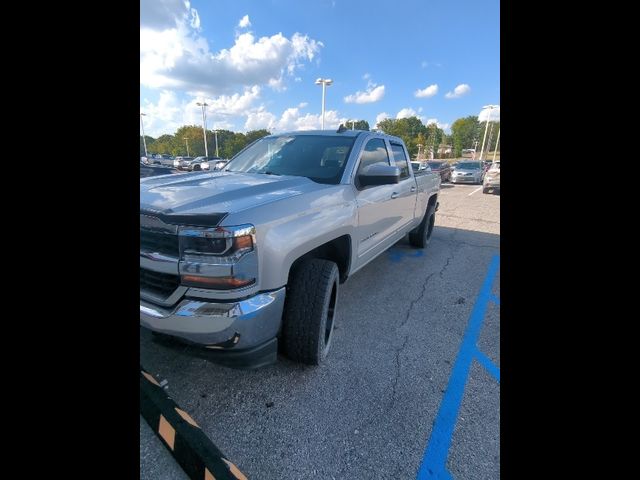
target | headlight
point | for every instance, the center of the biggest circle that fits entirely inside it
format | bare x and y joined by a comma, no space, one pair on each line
222,258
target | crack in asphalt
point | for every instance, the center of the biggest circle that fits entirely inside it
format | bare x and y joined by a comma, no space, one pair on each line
462,242
469,219
413,303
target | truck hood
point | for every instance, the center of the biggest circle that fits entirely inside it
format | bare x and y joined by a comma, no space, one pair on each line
218,192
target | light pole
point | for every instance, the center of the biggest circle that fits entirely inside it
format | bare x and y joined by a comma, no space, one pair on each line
204,126
144,140
353,124
419,147
215,132
186,139
490,107
495,149
324,82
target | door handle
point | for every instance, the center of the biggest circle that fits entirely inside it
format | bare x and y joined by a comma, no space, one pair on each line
413,189
394,195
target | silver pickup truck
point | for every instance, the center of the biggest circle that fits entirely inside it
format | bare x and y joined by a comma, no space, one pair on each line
246,261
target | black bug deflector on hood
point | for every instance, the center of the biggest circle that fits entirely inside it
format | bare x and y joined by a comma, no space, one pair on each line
191,220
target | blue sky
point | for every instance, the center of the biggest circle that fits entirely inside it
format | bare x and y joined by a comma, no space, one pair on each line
255,62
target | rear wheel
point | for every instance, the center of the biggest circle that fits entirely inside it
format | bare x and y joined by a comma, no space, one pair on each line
197,167
421,236
310,310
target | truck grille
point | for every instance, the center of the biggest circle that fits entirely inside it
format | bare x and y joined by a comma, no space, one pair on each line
159,242
160,284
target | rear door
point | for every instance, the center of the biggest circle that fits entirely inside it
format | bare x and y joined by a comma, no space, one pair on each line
405,191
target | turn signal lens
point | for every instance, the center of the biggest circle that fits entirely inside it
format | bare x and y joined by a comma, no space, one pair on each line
219,283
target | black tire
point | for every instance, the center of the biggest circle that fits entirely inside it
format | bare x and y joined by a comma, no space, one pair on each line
309,312
421,235
197,167
485,190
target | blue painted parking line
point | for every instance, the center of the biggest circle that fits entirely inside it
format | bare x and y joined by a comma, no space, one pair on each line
434,462
488,364
396,255
494,299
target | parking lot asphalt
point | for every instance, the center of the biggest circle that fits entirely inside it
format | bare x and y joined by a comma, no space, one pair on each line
398,353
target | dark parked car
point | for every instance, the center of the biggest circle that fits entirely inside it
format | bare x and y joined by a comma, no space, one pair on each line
153,170
442,168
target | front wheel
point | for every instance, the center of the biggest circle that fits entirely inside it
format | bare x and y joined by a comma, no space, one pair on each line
421,236
309,312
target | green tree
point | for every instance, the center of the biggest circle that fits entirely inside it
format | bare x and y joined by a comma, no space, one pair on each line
150,141
357,125
193,134
464,132
492,136
407,129
254,135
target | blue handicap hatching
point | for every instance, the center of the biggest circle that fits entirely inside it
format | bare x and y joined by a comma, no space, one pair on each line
434,462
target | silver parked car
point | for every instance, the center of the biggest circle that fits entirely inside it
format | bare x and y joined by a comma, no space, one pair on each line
492,179
198,163
184,162
468,172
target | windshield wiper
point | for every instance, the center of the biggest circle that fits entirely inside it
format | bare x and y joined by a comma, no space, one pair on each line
270,173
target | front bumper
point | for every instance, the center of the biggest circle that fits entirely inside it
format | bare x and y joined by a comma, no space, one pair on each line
223,327
465,179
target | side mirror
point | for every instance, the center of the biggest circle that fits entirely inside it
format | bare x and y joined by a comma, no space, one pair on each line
379,174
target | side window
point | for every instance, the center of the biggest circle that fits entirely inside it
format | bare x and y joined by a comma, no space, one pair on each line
374,151
401,160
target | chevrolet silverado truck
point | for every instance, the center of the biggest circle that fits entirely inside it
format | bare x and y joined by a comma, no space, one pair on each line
246,262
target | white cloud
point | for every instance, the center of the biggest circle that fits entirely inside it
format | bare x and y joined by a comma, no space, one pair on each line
292,120
170,113
165,116
162,14
484,114
174,55
236,104
381,116
372,94
406,113
424,64
195,18
244,22
459,91
443,126
366,76
427,92
260,119
302,104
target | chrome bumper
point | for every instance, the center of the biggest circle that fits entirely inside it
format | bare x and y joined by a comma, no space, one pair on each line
216,325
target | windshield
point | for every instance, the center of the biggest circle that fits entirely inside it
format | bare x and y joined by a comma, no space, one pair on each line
435,164
321,158
469,166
